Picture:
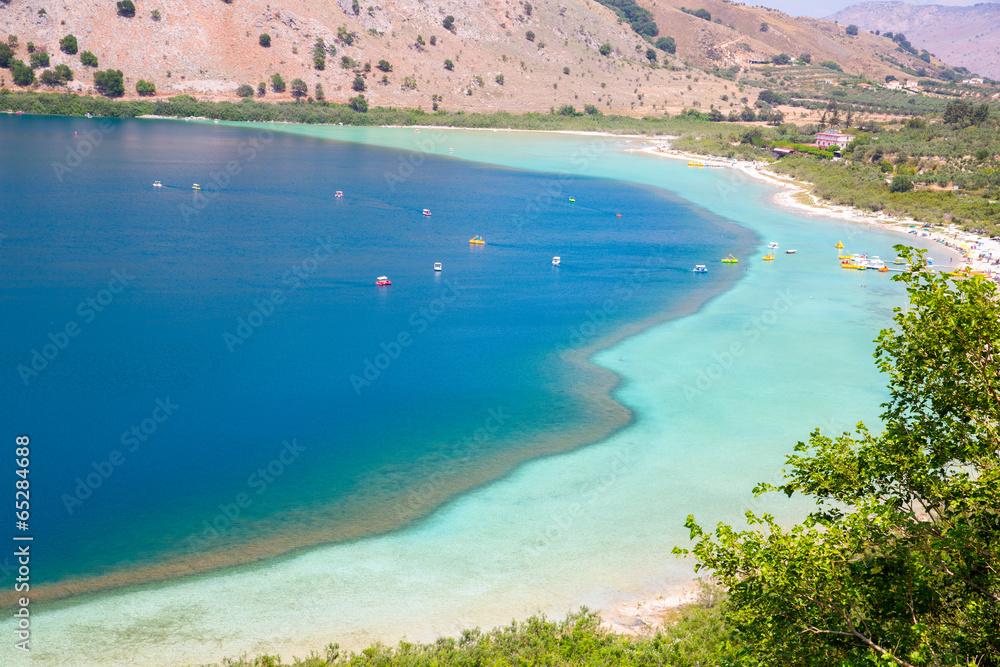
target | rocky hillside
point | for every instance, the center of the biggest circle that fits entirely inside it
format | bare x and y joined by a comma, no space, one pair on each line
964,36
498,55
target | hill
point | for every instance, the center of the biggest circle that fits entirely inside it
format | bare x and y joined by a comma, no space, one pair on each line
964,36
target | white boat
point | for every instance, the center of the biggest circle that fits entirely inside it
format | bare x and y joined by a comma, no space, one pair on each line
772,245
157,184
556,261
791,252
339,194
427,211
700,268
437,266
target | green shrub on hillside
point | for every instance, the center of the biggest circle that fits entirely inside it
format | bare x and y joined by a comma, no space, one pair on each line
6,55
68,44
126,8
145,88
245,90
264,40
667,44
88,59
23,75
277,83
110,82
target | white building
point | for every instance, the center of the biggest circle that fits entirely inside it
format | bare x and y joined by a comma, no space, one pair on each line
833,139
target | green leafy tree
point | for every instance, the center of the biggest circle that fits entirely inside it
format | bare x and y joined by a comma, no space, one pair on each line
68,44
277,83
320,95
806,58
50,78
499,79
852,30
299,88
901,184
12,41
384,66
145,88
448,65
110,82
781,59
319,62
261,89
64,72
126,8
245,90
899,563
358,85
359,104
605,49
6,55
22,74
264,40
591,110
651,55
40,59
530,36
666,44
88,59
449,23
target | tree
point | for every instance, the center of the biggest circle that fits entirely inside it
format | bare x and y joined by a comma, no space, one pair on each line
6,55
51,78
591,110
64,72
261,89
499,79
781,59
126,8
898,562
852,30
359,104
527,8
40,59
666,44
277,83
900,184
605,49
530,36
320,95
764,27
88,59
68,44
299,88
449,23
384,66
23,75
110,82
806,58
358,85
264,40
651,55
319,62
245,90
448,65
145,88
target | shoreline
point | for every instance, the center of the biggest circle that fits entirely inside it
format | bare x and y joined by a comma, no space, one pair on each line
973,251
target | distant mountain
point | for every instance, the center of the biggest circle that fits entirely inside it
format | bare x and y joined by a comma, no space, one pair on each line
965,36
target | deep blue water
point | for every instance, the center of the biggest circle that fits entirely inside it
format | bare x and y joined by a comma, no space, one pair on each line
484,334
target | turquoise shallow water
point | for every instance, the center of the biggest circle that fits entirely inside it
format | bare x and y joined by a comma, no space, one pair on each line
719,397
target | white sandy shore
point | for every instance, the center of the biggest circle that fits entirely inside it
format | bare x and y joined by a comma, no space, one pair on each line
980,253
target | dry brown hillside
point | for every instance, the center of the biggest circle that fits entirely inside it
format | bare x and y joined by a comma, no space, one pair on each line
207,48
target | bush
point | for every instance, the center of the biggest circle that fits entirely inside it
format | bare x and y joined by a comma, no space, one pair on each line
605,49
23,75
245,90
277,83
126,8
51,78
88,59
781,59
145,88
68,44
499,79
40,59
264,40
591,110
6,55
651,55
666,44
358,85
384,66
320,95
852,30
901,184
449,23
700,13
805,57
359,104
110,82
448,65
299,88
64,72
261,89
434,40
829,64
568,110
319,62
530,36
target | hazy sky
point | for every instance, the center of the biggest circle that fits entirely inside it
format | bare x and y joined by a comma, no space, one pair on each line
821,8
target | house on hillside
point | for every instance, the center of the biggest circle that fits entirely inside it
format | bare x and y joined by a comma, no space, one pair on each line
833,139
893,85
911,85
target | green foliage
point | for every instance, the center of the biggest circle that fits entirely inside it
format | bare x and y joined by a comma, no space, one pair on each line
68,44
568,110
591,110
299,88
88,59
449,23
384,66
448,65
829,64
666,44
264,40
110,82
530,36
64,72
566,71
319,62
499,79
345,36
126,8
50,78
851,30
6,55
12,41
320,95
805,57
261,89
898,562
358,85
963,113
605,49
420,40
145,88
651,55
155,15
781,59
639,18
245,90
433,40
22,74
700,13
39,59
277,83
359,104
901,184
